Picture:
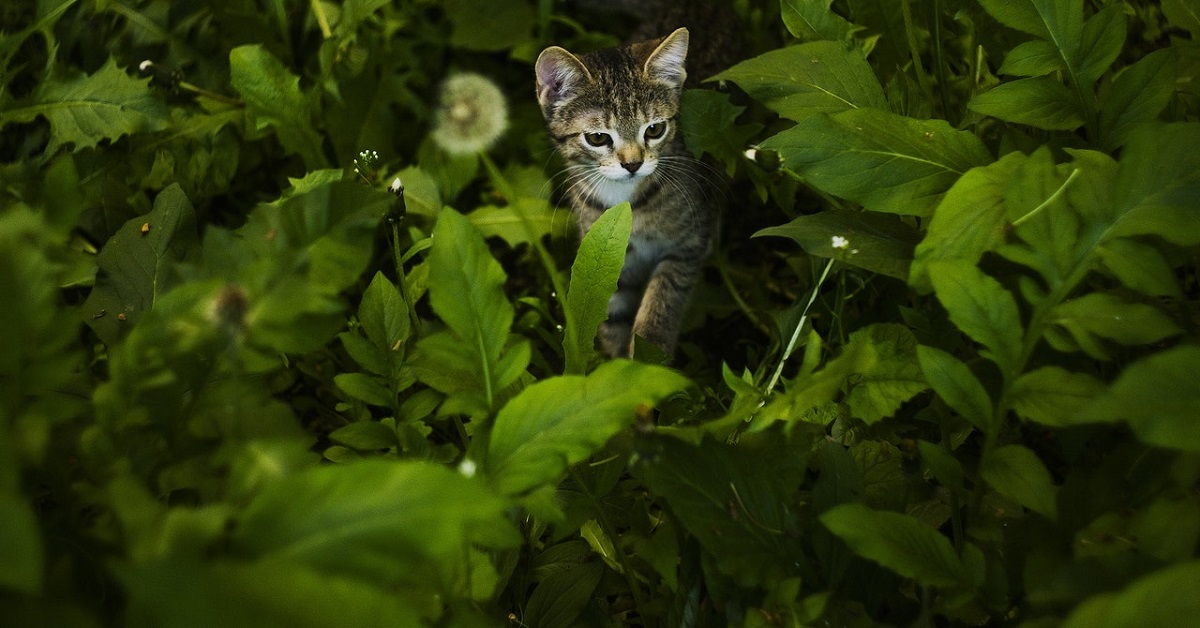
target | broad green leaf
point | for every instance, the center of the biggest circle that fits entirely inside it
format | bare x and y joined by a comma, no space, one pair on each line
883,161
899,543
1163,598
365,435
886,373
980,307
366,388
1101,41
421,194
489,26
514,223
139,264
560,598
1040,102
1053,396
272,95
1032,58
1017,473
601,544
815,20
737,501
708,121
876,242
83,110
954,382
1184,14
1158,397
20,546
942,465
1018,14
593,280
1104,315
377,520
254,594
1169,528
1137,95
466,289
383,313
560,421
800,81
970,220
1158,183
1139,266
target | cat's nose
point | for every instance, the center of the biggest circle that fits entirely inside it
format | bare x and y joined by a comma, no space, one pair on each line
632,166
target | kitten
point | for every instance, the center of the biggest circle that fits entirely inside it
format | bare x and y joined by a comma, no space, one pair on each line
612,115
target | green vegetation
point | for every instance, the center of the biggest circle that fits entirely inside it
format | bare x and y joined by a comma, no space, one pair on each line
940,371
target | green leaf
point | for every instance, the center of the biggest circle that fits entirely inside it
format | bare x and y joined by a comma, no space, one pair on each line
83,110
1018,14
883,161
466,289
1104,315
1101,41
815,20
375,520
365,435
366,388
1040,102
970,220
1032,58
251,595
1017,473
1158,398
1137,95
1053,396
1184,14
886,373
876,242
1163,598
593,280
272,95
1169,528
489,26
139,264
383,313
708,121
980,307
737,501
899,543
954,382
562,596
20,546
800,81
1139,266
421,194
514,222
560,421
942,465
1157,184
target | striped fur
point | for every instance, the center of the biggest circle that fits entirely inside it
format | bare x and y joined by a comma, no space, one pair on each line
612,115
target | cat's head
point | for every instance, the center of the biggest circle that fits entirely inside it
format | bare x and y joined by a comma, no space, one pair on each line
614,109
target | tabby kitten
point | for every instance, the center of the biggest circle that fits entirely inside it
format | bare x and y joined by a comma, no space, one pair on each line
612,115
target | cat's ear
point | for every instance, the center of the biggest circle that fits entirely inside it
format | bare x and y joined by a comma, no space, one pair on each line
559,75
666,63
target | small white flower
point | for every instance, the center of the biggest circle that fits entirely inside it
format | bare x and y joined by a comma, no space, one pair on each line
473,114
397,187
839,242
751,153
145,65
467,467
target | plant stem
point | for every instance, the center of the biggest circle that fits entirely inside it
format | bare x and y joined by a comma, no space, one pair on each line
1050,199
914,51
791,345
322,19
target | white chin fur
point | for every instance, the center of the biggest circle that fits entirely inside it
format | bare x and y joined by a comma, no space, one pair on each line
617,186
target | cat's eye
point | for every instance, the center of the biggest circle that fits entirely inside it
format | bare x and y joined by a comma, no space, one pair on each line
656,130
597,139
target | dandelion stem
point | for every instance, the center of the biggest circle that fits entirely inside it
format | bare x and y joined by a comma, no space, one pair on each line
791,345
1046,203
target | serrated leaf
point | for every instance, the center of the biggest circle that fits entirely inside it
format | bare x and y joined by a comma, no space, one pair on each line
1054,396
138,264
1139,266
366,388
364,436
885,162
1040,102
799,81
954,382
383,313
272,94
1017,473
1104,315
707,120
887,373
815,20
84,110
899,543
560,421
876,242
517,223
1158,183
594,277
1158,397
376,520
980,307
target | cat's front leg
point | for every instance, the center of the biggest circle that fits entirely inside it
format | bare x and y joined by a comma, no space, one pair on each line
662,308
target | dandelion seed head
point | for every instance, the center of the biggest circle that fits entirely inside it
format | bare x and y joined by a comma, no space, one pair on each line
473,114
